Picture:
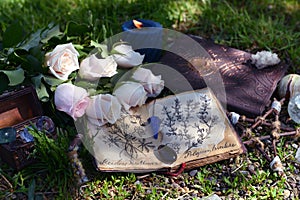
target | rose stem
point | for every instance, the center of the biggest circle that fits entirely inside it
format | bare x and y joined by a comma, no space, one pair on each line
264,154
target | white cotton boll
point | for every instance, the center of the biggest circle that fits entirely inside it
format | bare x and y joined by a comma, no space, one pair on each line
264,59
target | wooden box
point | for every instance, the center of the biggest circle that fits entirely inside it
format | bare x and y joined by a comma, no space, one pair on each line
18,109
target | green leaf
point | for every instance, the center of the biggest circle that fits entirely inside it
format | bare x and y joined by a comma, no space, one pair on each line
13,35
122,75
50,32
16,56
31,190
33,64
36,59
86,84
37,80
52,81
75,29
42,93
98,45
15,76
101,48
38,197
3,83
33,41
40,88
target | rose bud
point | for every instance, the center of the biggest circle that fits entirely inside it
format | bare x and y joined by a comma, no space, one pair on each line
71,99
131,94
103,108
126,57
152,84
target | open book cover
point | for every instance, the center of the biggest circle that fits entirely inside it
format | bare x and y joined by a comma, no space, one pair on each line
189,127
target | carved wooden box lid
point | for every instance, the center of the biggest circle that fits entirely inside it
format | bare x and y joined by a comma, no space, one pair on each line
19,106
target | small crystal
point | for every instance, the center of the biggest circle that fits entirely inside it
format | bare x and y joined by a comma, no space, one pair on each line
297,156
264,59
7,135
153,126
165,154
45,123
212,197
294,108
193,172
26,136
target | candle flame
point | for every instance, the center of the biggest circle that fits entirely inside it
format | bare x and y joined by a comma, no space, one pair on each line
137,24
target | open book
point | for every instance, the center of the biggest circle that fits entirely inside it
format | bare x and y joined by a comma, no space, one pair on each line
189,127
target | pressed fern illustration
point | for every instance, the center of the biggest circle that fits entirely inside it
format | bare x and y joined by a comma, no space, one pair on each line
190,121
178,119
121,136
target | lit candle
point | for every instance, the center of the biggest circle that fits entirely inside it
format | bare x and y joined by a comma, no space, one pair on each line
145,36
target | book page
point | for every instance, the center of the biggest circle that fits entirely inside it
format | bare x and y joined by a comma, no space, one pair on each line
165,133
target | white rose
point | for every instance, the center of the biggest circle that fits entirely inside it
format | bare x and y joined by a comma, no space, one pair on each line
93,68
71,99
152,84
127,58
131,94
62,61
103,108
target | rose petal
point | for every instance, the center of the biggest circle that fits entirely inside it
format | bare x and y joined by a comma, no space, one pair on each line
152,84
103,108
131,94
93,68
127,57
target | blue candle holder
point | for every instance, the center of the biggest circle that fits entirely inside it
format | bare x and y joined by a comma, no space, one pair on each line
146,40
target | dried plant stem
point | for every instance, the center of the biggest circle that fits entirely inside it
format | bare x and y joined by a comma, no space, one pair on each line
276,125
251,141
5,179
264,154
261,119
268,124
274,147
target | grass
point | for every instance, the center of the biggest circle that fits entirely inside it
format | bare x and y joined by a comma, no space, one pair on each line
248,25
